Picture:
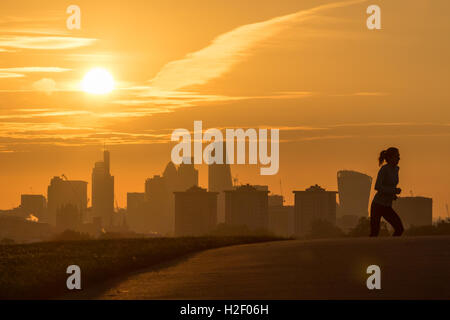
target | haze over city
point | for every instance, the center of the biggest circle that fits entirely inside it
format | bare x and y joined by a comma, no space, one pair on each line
268,67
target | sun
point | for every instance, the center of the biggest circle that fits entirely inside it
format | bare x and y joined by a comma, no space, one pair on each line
98,81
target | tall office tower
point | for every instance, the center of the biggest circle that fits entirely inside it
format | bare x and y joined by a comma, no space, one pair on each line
103,191
187,176
195,212
219,180
136,211
354,193
414,211
157,198
170,176
34,204
313,204
63,192
247,206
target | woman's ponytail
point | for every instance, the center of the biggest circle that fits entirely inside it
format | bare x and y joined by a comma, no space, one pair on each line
385,154
382,157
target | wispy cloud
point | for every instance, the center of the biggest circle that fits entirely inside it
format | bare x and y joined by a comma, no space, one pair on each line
34,69
44,42
228,49
19,72
10,75
45,85
361,94
169,101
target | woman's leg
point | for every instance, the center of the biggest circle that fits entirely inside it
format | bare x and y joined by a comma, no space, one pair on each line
392,217
375,217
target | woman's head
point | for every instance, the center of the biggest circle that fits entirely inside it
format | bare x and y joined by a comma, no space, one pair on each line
390,155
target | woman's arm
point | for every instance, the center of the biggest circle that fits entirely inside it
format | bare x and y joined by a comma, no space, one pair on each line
379,186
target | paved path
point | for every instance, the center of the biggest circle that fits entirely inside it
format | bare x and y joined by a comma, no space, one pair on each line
416,267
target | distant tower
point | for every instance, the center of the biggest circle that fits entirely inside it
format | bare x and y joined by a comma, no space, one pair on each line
195,212
315,203
247,205
414,211
157,198
103,191
219,180
187,176
63,192
354,192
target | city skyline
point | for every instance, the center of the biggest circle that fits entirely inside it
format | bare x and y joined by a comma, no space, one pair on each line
277,73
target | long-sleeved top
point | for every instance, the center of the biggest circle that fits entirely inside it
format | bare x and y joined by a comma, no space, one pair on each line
386,185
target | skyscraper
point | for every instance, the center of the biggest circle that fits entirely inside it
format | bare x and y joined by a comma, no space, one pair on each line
354,192
136,211
63,192
187,176
246,205
157,197
315,203
103,191
219,180
195,212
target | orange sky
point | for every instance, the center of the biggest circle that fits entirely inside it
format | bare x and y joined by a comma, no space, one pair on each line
339,92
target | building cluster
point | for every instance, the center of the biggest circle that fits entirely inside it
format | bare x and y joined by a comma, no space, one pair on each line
174,204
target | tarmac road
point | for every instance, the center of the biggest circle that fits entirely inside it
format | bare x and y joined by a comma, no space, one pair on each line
411,268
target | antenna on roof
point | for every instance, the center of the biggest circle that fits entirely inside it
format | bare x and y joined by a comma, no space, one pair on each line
281,188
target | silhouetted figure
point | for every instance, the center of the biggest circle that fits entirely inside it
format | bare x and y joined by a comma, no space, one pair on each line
386,186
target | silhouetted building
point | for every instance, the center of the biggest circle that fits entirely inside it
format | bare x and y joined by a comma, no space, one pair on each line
156,214
33,204
195,212
157,198
414,211
281,217
170,176
62,192
219,180
247,206
260,187
313,204
187,176
136,211
354,192
68,217
103,191
22,230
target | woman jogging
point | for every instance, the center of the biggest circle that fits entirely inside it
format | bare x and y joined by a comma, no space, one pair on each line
386,187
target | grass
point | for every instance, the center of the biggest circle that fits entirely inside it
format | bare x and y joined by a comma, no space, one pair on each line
38,271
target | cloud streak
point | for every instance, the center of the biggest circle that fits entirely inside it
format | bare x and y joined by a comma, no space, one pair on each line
228,49
44,42
34,69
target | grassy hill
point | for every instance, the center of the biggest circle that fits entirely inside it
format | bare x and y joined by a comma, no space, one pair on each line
38,271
